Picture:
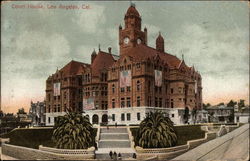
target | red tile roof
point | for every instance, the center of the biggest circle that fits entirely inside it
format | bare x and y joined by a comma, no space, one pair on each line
73,68
142,52
103,60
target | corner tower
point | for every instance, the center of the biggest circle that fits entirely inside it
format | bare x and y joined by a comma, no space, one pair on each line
131,35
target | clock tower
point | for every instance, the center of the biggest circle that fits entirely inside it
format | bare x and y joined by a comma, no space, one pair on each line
131,35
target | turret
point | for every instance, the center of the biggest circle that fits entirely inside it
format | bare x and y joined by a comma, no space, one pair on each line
93,56
160,43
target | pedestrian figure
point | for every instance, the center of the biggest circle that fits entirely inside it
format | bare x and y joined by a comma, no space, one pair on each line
115,156
119,156
111,154
134,155
107,126
116,124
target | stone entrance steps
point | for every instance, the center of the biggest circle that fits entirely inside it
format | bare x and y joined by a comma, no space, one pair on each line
114,139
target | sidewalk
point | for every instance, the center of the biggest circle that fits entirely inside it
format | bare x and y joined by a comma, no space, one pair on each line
5,157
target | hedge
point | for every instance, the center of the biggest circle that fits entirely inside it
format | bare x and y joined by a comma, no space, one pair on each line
32,138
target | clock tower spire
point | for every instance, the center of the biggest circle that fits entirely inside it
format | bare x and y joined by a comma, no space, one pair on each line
131,35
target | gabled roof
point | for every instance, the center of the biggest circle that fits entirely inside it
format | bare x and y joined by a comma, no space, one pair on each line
73,68
142,52
103,60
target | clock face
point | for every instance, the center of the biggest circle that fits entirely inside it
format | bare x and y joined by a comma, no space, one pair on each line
138,41
126,40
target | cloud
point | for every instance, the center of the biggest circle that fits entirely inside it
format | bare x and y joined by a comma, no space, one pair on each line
34,53
90,19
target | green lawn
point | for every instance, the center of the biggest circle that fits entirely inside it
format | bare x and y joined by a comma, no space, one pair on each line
32,138
184,133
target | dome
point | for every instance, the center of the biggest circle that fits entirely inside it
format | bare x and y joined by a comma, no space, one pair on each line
132,11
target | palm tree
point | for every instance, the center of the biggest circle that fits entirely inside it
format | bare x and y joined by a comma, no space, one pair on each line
73,131
156,131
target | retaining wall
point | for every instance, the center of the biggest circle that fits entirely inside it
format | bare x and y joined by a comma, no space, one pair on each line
24,153
169,153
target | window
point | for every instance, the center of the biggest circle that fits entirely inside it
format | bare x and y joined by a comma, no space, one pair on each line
49,97
113,103
128,89
113,88
58,107
138,86
80,81
113,117
122,102
103,105
179,89
128,102
172,90
172,103
49,119
172,115
122,89
128,116
191,100
149,101
160,102
138,101
122,117
149,86
156,102
179,99
156,89
138,65
65,107
54,108
65,95
138,116
49,108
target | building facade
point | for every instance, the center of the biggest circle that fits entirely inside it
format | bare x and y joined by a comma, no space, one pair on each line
37,113
220,114
123,89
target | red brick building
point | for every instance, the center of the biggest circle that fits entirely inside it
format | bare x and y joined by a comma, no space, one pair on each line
123,89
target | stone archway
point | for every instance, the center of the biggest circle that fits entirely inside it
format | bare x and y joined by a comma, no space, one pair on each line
95,119
105,118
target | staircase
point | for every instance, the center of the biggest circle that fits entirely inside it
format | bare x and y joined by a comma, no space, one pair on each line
114,139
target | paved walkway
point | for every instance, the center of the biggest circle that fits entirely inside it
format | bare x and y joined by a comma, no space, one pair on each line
5,157
232,146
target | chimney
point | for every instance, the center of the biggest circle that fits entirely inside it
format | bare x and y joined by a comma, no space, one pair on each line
109,50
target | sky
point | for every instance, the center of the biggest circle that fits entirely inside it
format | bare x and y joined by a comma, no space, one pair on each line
212,35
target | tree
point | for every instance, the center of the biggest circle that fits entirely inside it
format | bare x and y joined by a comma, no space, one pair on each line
73,131
241,103
186,114
156,131
220,104
21,111
205,106
231,103
194,114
